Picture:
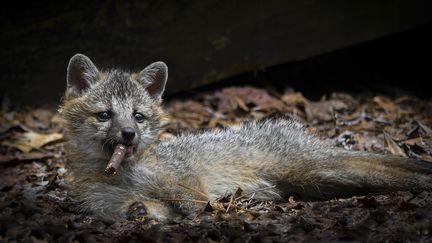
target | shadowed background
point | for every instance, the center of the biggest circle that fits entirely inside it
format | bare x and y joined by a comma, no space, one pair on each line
311,45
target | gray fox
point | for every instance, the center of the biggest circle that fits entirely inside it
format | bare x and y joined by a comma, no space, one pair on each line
116,112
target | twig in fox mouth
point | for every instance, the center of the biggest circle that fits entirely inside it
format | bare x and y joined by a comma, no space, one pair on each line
116,159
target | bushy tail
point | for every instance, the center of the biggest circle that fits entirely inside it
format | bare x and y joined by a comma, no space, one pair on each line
355,173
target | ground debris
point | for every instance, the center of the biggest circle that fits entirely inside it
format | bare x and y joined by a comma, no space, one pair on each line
36,207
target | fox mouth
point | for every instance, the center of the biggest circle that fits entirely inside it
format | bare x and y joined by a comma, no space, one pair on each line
131,149
121,153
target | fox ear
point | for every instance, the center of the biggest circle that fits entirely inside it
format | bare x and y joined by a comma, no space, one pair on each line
81,74
154,78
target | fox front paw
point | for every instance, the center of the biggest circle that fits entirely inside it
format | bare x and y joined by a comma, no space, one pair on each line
150,209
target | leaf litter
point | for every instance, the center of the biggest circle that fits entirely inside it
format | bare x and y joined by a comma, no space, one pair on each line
36,207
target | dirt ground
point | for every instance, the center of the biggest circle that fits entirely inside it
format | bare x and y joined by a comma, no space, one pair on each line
35,206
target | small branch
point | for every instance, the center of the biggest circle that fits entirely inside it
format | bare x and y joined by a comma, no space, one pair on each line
184,200
194,190
229,204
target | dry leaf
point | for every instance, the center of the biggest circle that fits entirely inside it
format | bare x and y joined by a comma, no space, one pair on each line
24,156
291,200
385,103
258,115
57,120
271,105
295,99
393,147
238,193
166,136
426,157
413,141
234,197
30,140
425,128
228,98
323,110
241,103
38,118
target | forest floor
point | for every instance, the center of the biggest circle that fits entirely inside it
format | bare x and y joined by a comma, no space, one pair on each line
35,206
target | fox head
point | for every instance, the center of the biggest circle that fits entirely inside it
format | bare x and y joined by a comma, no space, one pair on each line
103,109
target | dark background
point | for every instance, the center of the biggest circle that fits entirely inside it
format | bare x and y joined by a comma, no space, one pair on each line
314,46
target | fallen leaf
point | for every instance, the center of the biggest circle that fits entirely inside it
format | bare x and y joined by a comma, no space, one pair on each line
426,157
413,141
166,136
425,128
323,110
38,118
228,98
271,105
367,201
258,115
208,207
385,103
234,197
30,140
241,103
368,142
238,193
393,147
291,200
57,120
24,156
295,99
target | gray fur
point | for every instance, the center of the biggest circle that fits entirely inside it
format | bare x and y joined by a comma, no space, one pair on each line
274,158
154,78
81,74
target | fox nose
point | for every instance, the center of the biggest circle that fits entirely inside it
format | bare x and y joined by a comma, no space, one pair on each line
128,133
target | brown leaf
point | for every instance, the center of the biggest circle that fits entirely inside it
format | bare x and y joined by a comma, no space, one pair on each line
323,110
228,98
258,115
385,103
216,205
166,136
392,146
24,156
57,120
367,201
426,157
234,197
271,105
291,200
425,128
208,207
368,142
30,140
38,119
295,99
413,141
241,103
238,193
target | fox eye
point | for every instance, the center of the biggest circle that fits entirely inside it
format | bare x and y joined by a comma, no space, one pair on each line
138,117
104,116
